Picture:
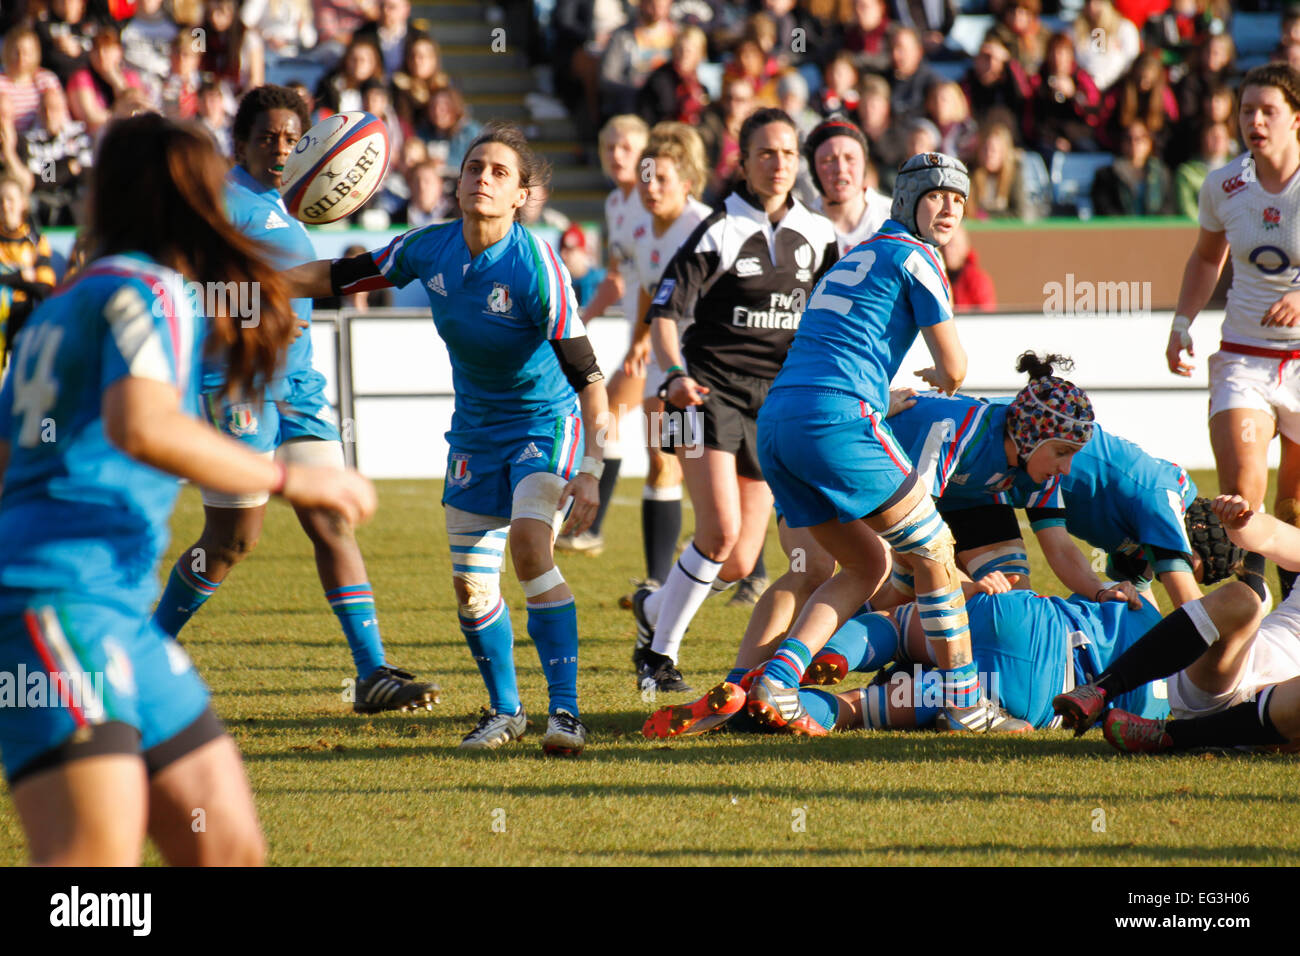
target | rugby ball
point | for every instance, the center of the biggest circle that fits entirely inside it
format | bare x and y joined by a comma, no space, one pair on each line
335,168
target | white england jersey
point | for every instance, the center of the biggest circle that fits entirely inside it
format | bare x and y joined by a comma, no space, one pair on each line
622,218
651,254
1263,230
873,217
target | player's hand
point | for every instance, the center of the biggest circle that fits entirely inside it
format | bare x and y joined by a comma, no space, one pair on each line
301,325
995,582
341,490
1124,591
936,379
900,399
638,356
1284,312
1234,511
1179,342
685,391
584,489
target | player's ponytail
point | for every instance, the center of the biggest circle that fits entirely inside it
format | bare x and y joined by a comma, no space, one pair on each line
1036,367
158,188
1048,408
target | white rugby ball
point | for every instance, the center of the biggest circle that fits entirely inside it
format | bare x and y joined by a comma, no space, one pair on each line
336,166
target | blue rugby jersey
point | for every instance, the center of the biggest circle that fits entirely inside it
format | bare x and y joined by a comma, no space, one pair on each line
76,512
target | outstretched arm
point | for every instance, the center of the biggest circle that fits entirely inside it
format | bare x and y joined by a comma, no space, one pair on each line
1259,532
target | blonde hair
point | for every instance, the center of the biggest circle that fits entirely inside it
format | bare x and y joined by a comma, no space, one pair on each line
1005,178
626,124
680,143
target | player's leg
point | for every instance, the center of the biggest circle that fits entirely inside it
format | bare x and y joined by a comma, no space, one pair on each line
624,393
1272,719
899,703
1209,638
232,525
201,809
1287,505
552,611
87,812
342,573
1239,437
755,514
661,500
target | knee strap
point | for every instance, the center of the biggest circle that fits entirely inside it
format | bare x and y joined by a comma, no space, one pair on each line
542,583
922,533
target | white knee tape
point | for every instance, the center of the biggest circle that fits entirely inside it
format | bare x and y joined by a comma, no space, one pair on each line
538,496
482,593
542,583
1201,618
318,452
922,533
478,547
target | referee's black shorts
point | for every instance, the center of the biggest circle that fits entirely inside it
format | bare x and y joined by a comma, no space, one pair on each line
727,421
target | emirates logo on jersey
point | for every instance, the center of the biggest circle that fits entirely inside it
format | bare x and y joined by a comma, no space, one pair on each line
1272,217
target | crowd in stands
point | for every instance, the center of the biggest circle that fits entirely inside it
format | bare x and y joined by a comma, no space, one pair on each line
1149,82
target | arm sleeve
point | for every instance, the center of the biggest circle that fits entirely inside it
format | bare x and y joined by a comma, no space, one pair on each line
379,269
559,306
683,281
1040,518
927,288
1165,560
577,361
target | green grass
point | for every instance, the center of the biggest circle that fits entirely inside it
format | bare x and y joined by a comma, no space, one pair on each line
333,788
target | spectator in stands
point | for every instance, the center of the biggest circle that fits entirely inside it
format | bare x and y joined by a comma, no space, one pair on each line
1065,111
1144,94
1288,53
65,31
215,116
792,97
912,77
784,22
886,140
1213,64
1022,33
996,82
536,212
932,19
95,90
720,132
147,42
586,275
188,14
314,112
972,286
580,35
11,160
447,128
59,153
1105,44
823,23
232,53
750,63
429,201
336,22
421,74
920,136
180,93
24,256
673,91
377,101
997,178
339,90
287,27
23,78
867,36
1217,147
840,90
390,31
634,52
946,107
1179,32
1136,184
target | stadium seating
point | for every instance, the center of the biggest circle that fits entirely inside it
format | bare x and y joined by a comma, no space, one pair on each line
1072,175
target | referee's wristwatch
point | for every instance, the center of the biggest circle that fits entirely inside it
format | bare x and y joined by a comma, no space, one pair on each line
674,373
592,466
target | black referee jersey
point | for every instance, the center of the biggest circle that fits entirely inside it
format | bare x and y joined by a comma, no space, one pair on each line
745,282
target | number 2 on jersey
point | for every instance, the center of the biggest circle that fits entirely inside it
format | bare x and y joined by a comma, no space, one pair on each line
862,260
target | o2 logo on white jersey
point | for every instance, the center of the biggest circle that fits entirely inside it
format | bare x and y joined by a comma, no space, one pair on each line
498,299
749,266
1272,260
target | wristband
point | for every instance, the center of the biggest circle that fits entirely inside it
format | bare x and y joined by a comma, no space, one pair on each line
672,377
1182,324
281,474
675,368
1096,598
592,466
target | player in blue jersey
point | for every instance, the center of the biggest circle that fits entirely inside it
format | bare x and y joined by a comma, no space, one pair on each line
529,397
830,458
96,416
291,421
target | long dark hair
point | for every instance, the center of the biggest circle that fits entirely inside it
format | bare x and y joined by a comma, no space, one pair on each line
534,172
158,187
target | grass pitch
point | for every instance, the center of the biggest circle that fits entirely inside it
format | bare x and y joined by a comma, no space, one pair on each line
333,788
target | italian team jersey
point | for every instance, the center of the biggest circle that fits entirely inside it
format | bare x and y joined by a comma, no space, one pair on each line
864,315
1263,231
498,313
1119,498
259,213
957,444
77,513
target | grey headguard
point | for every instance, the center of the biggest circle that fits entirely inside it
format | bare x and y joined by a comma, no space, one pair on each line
920,174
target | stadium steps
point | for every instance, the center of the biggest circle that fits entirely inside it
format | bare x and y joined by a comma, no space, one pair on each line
495,86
